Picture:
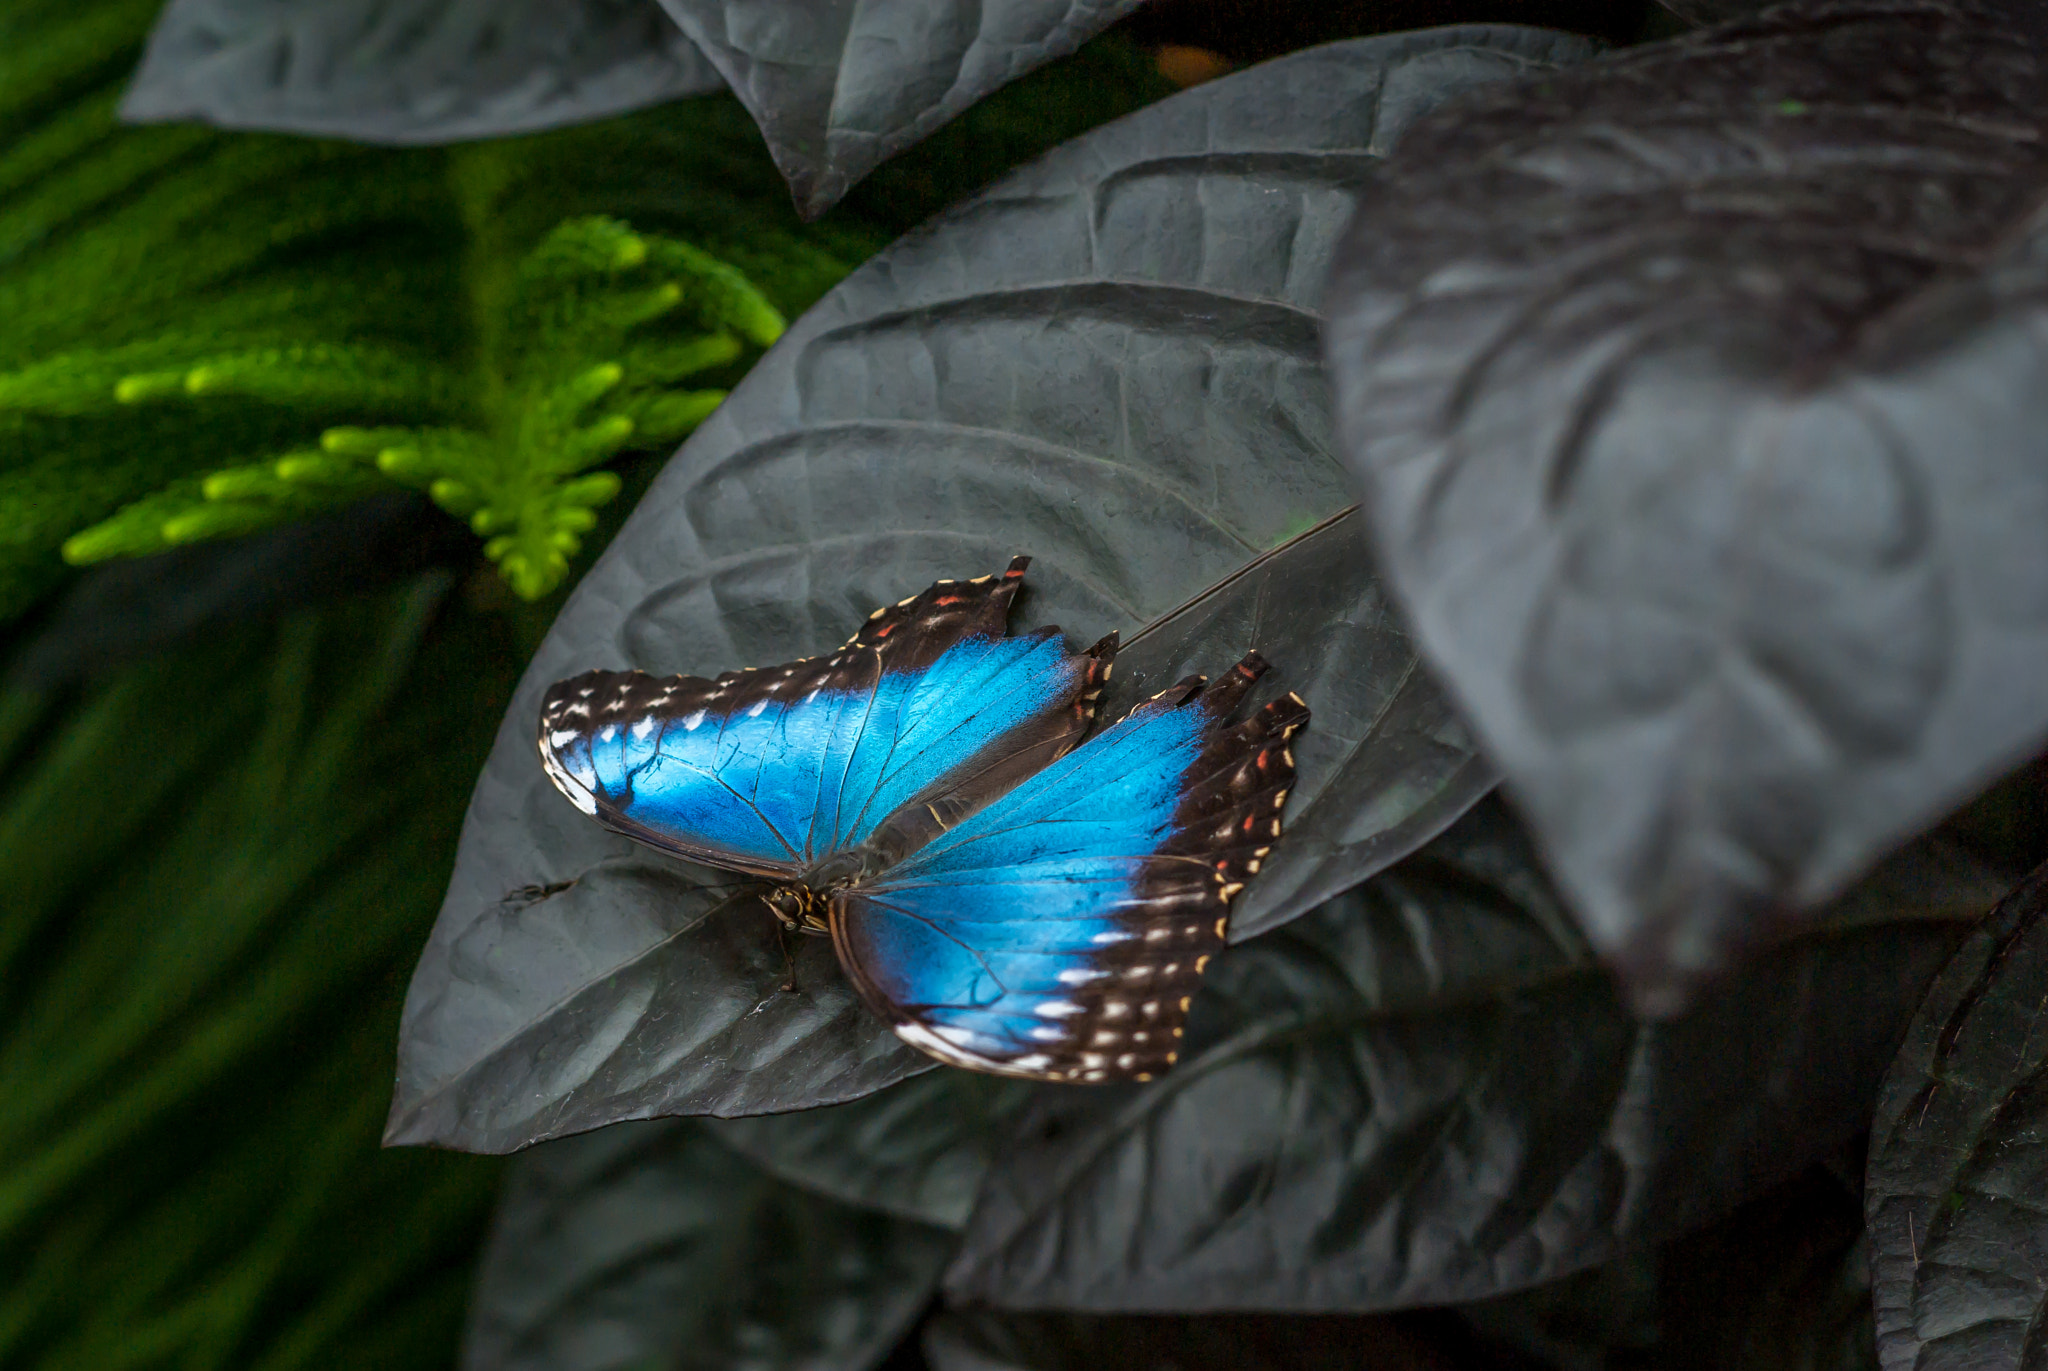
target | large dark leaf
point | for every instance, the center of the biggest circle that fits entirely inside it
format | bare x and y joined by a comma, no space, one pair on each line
917,1150
1426,1092
1698,395
653,1245
838,87
418,71
1954,1196
1107,361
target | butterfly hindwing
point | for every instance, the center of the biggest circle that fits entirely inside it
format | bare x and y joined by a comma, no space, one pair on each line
922,716
1059,931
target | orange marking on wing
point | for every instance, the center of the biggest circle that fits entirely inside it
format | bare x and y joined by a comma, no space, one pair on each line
885,630
1248,819
947,600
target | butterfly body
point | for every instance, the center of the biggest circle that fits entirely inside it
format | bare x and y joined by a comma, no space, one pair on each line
1010,900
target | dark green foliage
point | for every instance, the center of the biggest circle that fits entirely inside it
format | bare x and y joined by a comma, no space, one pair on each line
124,251
214,861
211,320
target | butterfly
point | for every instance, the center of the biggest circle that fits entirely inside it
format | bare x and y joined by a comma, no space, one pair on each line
1007,897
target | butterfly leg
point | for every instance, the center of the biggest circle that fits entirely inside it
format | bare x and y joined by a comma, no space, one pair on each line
782,937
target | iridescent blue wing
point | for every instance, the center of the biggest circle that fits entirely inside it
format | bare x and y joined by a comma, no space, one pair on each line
1058,932
922,716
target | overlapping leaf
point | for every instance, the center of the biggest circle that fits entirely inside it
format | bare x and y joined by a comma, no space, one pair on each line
1698,395
1958,1226
840,86
1427,1092
1107,361
918,1150
421,71
653,1245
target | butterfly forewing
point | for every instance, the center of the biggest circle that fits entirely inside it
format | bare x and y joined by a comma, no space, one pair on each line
1059,932
922,716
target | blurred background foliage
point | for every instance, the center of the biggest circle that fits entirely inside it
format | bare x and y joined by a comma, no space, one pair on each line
232,773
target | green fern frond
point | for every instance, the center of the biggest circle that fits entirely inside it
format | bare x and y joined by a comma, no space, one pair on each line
312,374
588,369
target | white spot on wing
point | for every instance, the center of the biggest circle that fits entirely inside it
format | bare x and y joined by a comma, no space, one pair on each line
569,786
927,1040
1081,976
1057,1009
691,723
755,712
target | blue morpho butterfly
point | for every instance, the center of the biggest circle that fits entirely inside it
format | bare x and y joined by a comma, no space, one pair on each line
1007,901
